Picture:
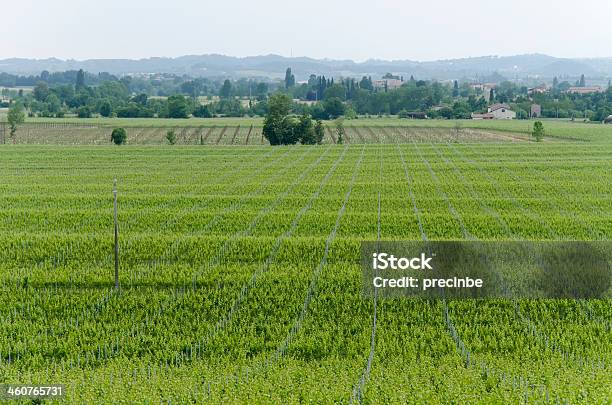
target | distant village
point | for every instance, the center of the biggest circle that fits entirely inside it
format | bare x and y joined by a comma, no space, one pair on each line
495,111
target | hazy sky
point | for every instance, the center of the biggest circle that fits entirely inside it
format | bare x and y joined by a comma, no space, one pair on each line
338,29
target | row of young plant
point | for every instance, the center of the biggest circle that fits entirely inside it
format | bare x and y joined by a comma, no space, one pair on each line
334,334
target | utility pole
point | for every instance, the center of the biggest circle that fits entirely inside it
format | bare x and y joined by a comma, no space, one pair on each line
116,237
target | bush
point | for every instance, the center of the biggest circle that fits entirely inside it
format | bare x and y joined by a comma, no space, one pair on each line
334,107
319,131
15,117
119,136
171,137
340,131
178,107
106,108
84,112
134,110
350,113
281,128
202,111
538,131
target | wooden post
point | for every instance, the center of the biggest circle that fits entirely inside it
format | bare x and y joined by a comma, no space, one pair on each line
116,237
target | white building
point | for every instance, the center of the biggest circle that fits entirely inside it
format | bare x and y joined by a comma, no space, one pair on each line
501,112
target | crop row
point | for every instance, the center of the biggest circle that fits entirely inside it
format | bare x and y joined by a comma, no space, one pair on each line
241,282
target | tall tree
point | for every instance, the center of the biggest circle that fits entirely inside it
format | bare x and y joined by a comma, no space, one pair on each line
178,106
226,89
366,83
455,88
312,80
41,91
15,117
582,82
555,83
276,128
289,79
80,79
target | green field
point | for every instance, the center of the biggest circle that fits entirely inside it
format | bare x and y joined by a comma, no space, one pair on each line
240,276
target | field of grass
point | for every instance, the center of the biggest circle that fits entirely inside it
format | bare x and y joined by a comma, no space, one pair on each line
240,275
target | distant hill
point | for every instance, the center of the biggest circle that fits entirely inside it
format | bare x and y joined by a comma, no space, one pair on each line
274,66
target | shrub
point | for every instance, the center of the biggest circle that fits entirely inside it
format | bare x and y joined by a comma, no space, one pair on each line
340,131
119,136
538,131
171,137
84,112
202,111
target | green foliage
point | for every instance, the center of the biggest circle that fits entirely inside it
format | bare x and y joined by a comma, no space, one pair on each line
15,116
226,89
136,110
335,91
289,79
119,136
84,112
202,111
178,107
268,216
350,113
538,131
280,128
334,107
277,128
41,91
307,131
106,108
216,267
340,131
319,131
80,80
171,137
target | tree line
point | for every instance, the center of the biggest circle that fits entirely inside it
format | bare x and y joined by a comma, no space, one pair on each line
171,96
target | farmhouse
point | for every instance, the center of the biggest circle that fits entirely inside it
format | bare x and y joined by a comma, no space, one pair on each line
501,112
585,90
496,112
